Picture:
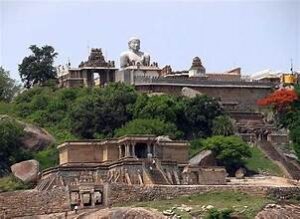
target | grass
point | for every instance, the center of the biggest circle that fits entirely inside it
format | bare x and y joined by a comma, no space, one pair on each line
261,164
9,183
243,205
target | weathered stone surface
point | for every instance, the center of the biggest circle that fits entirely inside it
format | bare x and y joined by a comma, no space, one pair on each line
163,138
204,158
274,211
189,92
27,171
122,213
36,138
240,173
33,202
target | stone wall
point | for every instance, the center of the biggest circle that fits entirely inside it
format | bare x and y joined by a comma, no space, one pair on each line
33,202
124,194
244,96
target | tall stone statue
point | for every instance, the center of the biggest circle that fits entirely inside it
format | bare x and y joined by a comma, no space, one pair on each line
134,57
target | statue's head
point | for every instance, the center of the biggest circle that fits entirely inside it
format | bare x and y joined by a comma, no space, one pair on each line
134,44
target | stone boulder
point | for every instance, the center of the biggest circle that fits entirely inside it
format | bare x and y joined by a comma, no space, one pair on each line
204,158
240,173
189,92
27,171
36,138
123,213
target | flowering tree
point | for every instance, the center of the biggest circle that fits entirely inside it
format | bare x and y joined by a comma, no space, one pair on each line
286,104
280,100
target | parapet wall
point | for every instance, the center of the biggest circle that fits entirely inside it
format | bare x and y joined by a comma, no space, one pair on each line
123,194
33,202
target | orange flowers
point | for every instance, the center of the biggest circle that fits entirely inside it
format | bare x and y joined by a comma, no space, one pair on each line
279,99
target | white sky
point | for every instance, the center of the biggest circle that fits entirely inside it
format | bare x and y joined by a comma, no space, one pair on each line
254,35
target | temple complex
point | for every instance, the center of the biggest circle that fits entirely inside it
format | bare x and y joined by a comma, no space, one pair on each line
86,167
83,76
230,87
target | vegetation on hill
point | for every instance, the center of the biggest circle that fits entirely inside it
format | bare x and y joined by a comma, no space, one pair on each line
81,113
8,87
114,110
10,141
259,163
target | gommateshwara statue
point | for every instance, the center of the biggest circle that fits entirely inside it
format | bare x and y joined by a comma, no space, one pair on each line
134,57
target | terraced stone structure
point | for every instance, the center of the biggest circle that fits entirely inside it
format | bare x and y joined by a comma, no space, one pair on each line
87,167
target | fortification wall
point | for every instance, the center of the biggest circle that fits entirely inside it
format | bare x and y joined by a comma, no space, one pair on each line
243,98
33,202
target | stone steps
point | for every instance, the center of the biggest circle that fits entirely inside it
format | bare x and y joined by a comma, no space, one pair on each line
289,167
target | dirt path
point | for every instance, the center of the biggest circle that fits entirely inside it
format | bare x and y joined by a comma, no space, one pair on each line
265,181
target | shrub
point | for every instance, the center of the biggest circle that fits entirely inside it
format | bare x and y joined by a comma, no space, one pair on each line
230,151
214,213
222,125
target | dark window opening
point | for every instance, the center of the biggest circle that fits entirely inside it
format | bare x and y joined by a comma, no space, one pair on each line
141,150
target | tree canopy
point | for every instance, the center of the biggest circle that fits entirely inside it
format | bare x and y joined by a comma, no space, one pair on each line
200,112
10,144
8,86
222,125
37,68
149,126
230,151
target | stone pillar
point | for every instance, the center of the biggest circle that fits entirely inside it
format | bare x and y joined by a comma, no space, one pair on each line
127,152
120,152
148,149
81,199
154,150
92,198
133,149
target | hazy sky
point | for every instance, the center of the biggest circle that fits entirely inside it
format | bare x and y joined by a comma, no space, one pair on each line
254,35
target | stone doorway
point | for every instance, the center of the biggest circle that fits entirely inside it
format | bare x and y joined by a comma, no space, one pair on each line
87,199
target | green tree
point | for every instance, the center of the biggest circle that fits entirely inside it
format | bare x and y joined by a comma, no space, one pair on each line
10,144
200,112
230,151
164,107
149,126
222,125
113,107
8,87
37,68
83,118
103,111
